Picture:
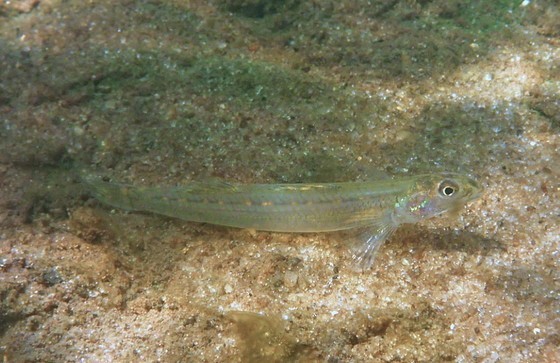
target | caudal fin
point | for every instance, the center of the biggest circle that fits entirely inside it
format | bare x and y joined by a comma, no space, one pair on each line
117,195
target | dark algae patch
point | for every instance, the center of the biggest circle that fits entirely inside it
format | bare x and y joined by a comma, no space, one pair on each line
259,8
264,338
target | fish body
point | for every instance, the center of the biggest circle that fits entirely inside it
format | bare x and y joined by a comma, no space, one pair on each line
378,207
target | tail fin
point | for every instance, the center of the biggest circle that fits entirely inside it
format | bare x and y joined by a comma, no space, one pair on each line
117,195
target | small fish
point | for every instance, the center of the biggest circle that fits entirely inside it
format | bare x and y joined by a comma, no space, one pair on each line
374,208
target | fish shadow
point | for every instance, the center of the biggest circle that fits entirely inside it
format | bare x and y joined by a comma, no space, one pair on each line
449,240
520,280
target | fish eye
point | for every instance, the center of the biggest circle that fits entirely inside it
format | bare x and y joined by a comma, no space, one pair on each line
448,188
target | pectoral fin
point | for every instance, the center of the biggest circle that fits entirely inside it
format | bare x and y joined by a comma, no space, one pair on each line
369,240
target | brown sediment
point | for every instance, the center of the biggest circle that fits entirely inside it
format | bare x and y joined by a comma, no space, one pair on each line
162,93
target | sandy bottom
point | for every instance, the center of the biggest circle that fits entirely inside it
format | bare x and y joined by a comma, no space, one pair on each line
164,92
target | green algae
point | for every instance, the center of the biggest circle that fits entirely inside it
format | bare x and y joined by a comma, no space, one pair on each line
212,96
146,101
411,39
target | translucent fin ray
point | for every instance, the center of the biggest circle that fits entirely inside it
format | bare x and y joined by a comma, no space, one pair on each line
369,241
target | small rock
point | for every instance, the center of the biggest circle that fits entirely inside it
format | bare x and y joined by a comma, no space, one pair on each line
290,279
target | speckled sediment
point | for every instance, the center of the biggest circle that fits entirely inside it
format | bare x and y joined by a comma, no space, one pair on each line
165,92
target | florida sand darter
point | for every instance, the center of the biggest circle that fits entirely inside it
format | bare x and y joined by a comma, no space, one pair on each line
375,208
